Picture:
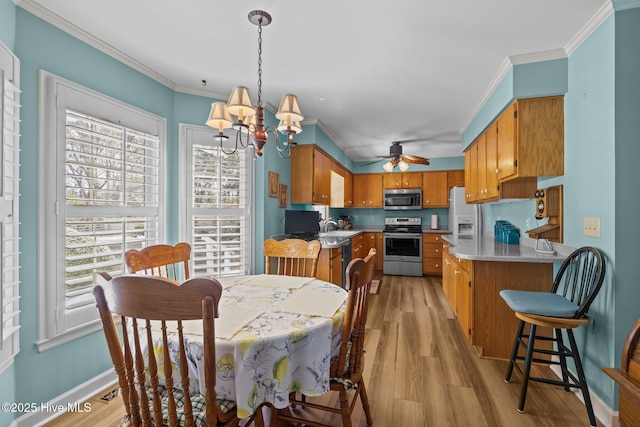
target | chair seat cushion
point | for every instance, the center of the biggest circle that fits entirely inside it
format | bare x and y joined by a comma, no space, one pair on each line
197,404
540,303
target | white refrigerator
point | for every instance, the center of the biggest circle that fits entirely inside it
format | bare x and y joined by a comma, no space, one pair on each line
465,219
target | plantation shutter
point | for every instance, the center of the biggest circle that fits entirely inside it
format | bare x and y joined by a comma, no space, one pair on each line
112,189
218,188
9,213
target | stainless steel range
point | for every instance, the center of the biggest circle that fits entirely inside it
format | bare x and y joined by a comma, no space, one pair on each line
402,246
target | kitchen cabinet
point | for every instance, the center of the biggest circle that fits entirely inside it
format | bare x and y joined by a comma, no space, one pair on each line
530,140
481,172
455,178
456,285
484,169
367,190
374,240
435,193
472,288
341,187
469,171
330,265
310,175
395,180
431,253
348,189
357,246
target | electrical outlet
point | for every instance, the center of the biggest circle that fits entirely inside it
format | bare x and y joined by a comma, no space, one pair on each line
592,227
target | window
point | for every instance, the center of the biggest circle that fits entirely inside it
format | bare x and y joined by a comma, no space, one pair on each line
101,195
216,200
9,200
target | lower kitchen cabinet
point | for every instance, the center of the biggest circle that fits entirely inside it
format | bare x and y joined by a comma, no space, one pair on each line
431,253
330,265
357,247
472,289
373,240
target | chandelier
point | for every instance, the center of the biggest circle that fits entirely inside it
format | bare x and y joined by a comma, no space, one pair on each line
249,122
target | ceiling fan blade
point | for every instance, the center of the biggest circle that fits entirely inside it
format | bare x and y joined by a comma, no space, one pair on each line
415,159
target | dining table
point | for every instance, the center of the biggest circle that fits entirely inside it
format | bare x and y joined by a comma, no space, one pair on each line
274,335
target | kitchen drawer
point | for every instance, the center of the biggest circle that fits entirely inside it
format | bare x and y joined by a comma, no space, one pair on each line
432,265
431,238
432,250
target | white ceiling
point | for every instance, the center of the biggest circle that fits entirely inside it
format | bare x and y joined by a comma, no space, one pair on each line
371,72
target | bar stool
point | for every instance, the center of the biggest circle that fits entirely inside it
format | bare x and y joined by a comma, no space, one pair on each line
564,308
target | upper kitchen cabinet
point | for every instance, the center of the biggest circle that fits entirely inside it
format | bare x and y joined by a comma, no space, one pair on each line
310,175
367,190
530,140
455,178
485,177
402,180
435,193
341,187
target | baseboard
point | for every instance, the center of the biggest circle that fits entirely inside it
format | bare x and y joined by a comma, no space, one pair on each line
52,409
603,413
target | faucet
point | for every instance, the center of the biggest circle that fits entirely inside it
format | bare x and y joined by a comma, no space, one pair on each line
325,225
331,222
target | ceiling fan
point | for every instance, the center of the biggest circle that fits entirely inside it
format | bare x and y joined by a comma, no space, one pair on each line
397,158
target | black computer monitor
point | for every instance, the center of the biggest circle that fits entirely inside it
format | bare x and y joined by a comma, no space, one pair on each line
301,223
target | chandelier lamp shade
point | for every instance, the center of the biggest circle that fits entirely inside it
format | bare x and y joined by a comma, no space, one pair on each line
248,121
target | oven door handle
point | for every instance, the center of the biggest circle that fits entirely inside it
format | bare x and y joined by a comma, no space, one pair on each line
403,235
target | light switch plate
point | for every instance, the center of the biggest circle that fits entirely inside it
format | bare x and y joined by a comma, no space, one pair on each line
592,227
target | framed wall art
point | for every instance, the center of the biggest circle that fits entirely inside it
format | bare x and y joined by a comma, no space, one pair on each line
274,181
282,199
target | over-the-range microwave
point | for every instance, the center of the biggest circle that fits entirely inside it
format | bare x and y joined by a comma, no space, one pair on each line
403,199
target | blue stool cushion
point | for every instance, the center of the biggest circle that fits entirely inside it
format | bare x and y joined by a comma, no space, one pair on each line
540,303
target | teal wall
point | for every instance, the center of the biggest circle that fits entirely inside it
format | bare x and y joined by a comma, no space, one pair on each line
521,81
602,100
7,23
627,193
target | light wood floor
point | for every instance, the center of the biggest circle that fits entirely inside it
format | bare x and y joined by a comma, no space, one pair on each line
421,371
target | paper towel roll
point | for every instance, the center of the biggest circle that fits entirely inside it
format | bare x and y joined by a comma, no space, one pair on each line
434,222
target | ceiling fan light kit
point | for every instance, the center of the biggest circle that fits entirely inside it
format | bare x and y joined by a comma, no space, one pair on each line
249,123
396,158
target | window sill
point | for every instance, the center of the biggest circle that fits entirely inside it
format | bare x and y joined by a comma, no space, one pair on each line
66,337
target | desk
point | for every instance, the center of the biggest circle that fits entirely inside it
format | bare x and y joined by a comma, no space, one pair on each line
276,352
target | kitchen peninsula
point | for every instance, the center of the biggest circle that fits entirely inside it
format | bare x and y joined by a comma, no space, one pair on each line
476,269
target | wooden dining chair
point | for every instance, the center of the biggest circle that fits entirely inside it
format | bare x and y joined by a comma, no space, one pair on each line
566,307
161,260
628,379
144,303
291,257
346,371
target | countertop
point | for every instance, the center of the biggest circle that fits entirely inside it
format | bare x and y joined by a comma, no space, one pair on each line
336,238
485,248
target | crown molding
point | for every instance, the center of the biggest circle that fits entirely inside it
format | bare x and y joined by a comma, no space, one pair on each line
92,41
327,132
527,58
590,27
200,92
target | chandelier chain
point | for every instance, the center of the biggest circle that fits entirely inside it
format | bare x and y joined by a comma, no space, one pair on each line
259,104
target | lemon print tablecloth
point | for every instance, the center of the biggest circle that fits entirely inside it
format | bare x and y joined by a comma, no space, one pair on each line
264,352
